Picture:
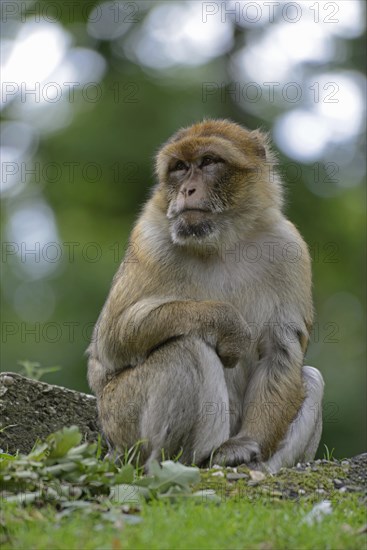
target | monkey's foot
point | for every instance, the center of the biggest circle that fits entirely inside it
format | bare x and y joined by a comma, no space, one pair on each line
237,450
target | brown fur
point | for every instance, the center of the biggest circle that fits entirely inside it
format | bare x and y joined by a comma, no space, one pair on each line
188,291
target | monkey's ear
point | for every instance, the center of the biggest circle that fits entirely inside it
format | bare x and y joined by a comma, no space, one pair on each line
259,141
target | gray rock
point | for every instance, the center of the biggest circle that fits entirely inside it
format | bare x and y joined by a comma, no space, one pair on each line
30,409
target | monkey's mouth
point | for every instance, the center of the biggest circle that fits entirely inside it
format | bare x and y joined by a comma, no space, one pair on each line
187,210
193,222
194,216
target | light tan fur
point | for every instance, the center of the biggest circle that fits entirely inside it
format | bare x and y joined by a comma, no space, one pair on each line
205,328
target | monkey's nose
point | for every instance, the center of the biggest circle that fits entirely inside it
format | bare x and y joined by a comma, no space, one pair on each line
191,191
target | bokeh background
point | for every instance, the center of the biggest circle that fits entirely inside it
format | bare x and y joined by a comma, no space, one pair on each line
89,92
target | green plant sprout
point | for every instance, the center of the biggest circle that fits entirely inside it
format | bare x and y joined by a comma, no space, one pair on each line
33,369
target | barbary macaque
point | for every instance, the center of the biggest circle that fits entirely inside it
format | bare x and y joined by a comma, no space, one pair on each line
199,348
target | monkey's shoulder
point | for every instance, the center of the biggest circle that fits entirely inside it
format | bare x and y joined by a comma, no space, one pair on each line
291,246
276,266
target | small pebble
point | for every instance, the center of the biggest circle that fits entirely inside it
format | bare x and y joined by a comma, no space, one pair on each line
7,380
256,475
235,477
276,494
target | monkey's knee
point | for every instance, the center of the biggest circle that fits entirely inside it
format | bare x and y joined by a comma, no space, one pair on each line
189,415
314,383
97,376
120,408
314,394
176,401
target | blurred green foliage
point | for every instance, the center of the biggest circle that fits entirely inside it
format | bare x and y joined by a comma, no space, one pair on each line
140,108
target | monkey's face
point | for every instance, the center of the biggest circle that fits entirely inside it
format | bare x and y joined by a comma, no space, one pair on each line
205,178
193,192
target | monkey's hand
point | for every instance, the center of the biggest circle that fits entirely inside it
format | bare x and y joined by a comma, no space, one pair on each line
230,350
237,450
234,338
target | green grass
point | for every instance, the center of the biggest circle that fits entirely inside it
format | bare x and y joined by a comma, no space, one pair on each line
233,524
61,496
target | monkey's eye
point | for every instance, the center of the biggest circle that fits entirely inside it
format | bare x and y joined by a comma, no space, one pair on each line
180,165
205,161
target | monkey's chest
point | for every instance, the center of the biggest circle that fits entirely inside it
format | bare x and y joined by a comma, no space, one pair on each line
247,287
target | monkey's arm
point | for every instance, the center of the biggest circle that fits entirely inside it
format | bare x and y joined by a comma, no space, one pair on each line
275,390
127,339
274,395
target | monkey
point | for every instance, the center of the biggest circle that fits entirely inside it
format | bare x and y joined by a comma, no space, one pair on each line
199,349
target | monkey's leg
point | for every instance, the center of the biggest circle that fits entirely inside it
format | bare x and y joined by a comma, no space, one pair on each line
301,439
303,435
274,394
176,401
